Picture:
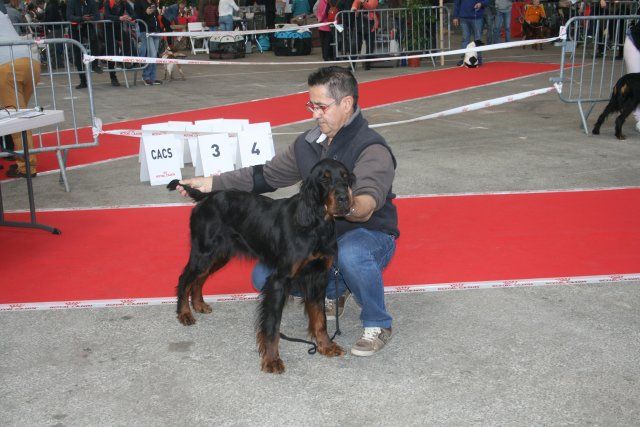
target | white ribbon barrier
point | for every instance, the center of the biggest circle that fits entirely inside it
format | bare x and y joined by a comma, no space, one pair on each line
146,60
133,133
199,34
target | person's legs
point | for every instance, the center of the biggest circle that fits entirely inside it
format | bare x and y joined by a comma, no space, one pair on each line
632,64
362,255
489,24
143,52
154,45
477,34
467,31
507,25
25,82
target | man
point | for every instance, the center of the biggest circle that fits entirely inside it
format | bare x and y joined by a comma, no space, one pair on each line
469,14
147,10
366,236
503,20
81,13
119,13
19,75
11,9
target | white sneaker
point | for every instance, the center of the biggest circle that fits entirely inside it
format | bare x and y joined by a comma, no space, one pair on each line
371,341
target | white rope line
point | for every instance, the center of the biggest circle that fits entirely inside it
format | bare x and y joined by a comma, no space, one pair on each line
134,133
203,34
147,60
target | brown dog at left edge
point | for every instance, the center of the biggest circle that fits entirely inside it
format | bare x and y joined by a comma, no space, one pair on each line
294,237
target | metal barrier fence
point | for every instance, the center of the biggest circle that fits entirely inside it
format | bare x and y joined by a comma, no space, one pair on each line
54,91
392,31
588,29
97,37
590,67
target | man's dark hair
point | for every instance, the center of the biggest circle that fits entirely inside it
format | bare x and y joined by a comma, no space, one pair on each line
339,81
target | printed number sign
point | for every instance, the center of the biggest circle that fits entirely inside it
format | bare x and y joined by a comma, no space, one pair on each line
256,147
215,154
230,126
160,158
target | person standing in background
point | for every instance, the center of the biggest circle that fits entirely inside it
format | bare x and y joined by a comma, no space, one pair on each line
503,20
19,75
225,12
468,14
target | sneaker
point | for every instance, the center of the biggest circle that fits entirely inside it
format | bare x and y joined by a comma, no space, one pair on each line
372,341
638,126
82,85
115,83
148,83
330,306
157,82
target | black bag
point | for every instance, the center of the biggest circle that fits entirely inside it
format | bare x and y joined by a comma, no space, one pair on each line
226,47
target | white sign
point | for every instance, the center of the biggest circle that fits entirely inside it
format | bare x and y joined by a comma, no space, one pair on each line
161,156
215,154
182,126
159,129
256,146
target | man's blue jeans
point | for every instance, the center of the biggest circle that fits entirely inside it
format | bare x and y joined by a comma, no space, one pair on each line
225,23
149,47
471,28
503,17
362,255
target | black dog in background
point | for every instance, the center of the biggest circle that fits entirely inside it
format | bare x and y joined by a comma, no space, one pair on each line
625,97
295,237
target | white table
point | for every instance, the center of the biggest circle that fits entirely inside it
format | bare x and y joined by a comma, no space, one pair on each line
24,124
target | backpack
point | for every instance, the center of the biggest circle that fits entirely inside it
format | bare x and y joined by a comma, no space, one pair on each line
210,15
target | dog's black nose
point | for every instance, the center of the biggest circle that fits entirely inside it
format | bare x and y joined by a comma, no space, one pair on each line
342,199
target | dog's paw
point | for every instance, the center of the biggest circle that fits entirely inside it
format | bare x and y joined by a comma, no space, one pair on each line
272,366
595,131
331,350
621,137
186,319
202,307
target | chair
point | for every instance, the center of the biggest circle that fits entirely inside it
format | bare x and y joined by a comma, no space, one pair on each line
196,27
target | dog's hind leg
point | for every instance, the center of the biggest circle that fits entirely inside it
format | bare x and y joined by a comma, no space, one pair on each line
610,108
269,316
190,283
627,108
197,301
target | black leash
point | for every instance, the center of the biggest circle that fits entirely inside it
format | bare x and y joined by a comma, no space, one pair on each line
314,347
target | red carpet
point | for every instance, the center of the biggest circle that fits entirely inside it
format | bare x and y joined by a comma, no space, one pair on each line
139,252
290,108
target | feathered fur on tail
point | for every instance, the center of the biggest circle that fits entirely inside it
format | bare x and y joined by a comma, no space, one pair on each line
196,195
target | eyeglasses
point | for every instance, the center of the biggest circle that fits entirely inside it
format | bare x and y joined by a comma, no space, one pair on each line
315,107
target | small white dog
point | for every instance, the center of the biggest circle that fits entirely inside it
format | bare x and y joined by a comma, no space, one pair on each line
169,69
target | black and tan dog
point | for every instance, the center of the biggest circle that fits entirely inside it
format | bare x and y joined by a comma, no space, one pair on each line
625,97
295,237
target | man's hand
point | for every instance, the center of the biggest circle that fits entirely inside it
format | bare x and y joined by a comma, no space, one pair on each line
361,209
199,183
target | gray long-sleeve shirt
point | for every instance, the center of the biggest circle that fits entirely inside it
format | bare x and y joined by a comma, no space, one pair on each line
374,171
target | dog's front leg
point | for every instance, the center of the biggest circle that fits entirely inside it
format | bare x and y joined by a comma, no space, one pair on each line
318,328
270,315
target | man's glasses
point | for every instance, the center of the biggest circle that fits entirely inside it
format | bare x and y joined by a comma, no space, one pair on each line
315,107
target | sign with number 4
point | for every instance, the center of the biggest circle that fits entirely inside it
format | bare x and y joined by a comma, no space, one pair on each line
256,147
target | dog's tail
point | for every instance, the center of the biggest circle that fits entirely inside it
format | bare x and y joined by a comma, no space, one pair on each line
196,195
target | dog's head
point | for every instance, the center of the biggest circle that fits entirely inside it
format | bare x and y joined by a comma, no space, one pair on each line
327,187
168,53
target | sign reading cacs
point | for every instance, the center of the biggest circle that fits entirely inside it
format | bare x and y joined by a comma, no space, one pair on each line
212,146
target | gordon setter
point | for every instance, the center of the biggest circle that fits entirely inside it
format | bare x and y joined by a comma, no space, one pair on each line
625,97
295,237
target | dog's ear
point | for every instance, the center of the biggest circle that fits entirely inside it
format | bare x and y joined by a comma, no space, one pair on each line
311,199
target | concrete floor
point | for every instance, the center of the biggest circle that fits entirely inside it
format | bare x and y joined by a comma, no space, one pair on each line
536,356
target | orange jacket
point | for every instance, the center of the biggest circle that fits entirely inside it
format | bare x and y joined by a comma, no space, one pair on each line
533,14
